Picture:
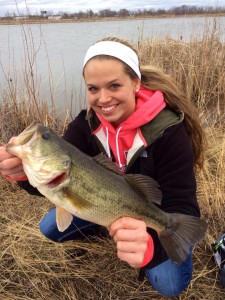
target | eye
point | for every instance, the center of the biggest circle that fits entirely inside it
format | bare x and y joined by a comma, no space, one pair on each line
115,86
46,135
92,89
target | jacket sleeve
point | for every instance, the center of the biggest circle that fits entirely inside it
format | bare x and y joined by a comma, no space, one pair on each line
173,164
174,171
25,185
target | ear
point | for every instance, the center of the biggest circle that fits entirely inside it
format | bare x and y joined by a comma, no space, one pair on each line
137,85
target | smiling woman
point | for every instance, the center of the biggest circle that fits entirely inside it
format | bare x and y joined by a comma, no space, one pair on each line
110,93
140,118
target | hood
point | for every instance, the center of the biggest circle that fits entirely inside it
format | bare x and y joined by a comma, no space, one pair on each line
118,141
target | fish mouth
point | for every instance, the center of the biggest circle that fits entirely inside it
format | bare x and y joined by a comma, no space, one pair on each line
24,137
57,180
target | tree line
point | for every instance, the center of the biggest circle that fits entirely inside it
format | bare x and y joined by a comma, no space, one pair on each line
123,13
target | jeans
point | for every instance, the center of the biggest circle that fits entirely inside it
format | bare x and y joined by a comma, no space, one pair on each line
168,278
78,229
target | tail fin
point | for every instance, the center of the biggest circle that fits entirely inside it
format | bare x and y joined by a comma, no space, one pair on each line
185,231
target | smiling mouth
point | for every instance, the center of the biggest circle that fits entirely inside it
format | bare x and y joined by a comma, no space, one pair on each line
108,108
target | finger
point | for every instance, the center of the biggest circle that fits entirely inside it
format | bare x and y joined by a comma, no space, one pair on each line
131,247
131,235
132,259
11,139
4,154
16,176
126,223
12,171
11,163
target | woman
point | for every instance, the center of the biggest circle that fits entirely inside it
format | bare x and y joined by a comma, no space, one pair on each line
140,118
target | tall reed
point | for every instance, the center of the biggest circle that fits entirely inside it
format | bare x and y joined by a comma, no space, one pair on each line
198,65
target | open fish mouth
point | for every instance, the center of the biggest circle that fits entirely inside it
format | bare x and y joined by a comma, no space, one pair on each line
57,180
24,136
18,145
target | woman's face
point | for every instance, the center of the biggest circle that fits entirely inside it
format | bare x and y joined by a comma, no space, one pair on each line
110,91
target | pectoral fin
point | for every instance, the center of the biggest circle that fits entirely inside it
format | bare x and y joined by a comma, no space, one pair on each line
77,201
63,219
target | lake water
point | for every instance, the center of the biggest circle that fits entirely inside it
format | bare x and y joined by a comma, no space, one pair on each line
55,51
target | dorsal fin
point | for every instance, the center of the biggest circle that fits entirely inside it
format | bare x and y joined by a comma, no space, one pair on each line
107,162
147,186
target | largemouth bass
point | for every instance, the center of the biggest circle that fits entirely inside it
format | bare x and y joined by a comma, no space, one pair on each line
93,189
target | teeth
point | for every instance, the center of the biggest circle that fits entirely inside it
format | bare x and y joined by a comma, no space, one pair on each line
108,108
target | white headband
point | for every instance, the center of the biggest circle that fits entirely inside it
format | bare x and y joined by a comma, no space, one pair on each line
115,49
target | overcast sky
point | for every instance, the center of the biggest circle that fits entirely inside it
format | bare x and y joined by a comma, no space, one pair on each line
56,6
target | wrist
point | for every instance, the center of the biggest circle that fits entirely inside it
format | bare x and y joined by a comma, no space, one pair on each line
22,178
149,252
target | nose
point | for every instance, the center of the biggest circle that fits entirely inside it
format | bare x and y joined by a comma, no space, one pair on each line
104,96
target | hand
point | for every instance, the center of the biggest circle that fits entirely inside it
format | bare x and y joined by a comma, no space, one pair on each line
10,165
132,238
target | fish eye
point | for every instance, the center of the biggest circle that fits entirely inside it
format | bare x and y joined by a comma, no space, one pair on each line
46,135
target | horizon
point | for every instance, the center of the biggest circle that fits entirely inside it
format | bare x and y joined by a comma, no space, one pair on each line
21,7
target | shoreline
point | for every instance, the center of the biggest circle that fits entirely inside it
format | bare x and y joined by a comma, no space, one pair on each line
89,20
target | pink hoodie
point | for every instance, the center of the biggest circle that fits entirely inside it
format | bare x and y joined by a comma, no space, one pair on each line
123,138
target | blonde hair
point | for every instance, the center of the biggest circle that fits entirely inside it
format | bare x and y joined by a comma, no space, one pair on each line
155,79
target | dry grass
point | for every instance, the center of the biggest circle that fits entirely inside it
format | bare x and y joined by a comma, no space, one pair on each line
34,268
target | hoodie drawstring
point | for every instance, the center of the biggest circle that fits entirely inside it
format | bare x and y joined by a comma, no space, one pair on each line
117,147
107,142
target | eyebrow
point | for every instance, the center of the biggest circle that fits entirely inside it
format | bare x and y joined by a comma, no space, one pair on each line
110,82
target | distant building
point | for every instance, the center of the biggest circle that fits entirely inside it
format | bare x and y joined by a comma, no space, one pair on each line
21,18
54,17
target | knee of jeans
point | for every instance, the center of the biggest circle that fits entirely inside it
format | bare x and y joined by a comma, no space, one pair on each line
47,232
170,279
48,226
170,284
168,290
